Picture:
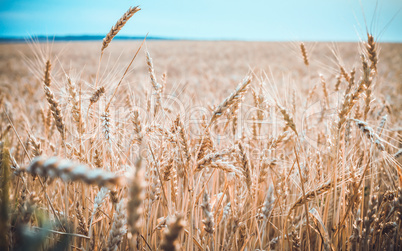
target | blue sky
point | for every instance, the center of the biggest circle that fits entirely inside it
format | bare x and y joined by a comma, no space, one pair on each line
290,20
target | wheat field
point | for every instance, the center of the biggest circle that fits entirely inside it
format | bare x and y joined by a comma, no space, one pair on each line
200,145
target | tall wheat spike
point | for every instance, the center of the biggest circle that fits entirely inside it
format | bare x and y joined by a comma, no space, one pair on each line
304,54
117,27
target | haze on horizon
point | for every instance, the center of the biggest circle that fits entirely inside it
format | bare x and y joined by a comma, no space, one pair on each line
259,20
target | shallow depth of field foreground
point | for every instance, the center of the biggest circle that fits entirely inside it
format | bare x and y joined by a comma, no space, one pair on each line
186,145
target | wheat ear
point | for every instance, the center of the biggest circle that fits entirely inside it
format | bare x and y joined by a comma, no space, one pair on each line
6,130
54,106
134,205
156,86
46,77
352,98
312,194
97,94
209,217
208,159
371,47
288,119
118,229
245,165
304,54
233,99
70,171
370,133
117,27
169,242
35,145
268,203
82,225
76,111
184,143
98,201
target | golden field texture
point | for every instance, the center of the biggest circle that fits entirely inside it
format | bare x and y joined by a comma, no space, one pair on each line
200,145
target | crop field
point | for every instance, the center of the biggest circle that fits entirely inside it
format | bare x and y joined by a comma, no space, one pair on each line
200,145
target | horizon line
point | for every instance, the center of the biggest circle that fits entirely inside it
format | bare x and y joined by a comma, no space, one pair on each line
94,37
